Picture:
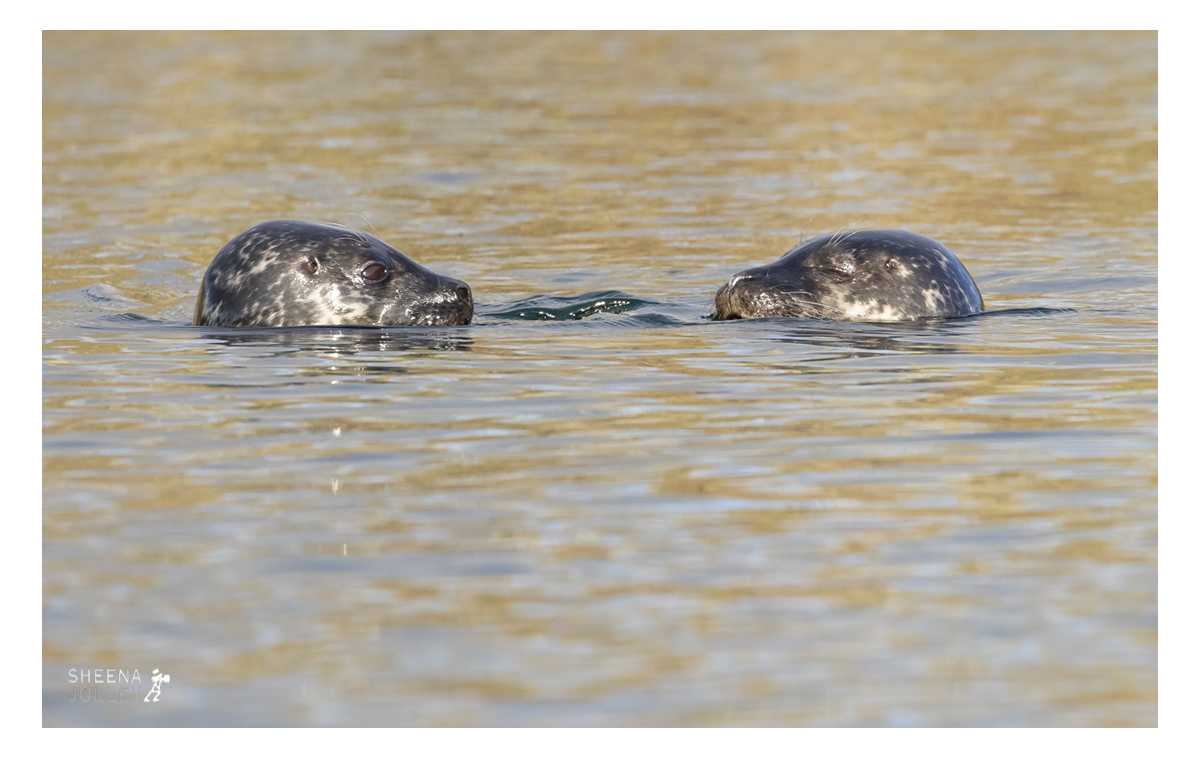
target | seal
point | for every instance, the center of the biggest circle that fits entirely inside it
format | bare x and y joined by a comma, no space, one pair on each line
303,273
866,275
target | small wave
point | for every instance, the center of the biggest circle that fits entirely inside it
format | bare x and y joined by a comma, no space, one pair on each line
555,308
1027,312
98,295
135,318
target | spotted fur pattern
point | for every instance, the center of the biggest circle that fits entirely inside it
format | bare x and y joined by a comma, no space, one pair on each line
887,275
302,273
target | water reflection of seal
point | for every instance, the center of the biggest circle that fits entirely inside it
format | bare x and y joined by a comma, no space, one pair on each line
886,275
302,273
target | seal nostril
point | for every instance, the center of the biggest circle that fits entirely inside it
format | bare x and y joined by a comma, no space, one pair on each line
464,292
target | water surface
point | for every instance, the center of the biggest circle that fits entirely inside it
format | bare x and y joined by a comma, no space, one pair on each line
594,505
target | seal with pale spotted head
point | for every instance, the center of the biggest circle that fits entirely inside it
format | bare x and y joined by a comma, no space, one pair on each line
303,273
884,275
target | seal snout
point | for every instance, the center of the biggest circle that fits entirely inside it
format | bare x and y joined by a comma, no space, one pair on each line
729,298
462,303
468,302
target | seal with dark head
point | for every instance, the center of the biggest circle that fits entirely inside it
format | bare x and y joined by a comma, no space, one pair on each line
887,275
302,273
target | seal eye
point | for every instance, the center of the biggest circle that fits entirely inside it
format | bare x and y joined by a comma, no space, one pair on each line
374,272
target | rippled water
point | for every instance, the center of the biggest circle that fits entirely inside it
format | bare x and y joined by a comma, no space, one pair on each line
594,505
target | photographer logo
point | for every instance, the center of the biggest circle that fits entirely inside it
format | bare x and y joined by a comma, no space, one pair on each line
156,690
92,685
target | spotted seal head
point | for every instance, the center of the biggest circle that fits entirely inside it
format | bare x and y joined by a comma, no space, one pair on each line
302,273
886,275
